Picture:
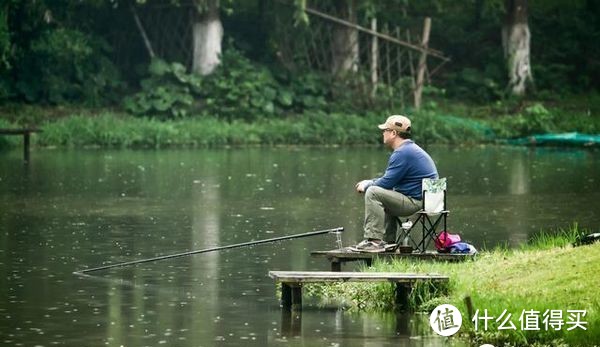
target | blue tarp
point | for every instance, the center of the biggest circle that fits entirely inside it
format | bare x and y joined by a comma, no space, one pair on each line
564,139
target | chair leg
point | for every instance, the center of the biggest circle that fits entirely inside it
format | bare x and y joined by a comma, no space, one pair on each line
430,230
405,234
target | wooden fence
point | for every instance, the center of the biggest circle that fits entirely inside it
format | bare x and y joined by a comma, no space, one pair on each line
376,58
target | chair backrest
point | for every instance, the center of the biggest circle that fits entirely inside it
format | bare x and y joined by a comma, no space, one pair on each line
434,195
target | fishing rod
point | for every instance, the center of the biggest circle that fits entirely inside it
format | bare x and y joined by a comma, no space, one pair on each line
237,245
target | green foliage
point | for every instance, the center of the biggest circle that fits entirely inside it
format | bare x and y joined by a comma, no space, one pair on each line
476,85
300,16
168,92
534,119
377,297
66,65
7,141
121,130
107,130
52,52
308,92
5,53
559,238
113,130
562,58
4,40
461,124
238,89
470,32
433,126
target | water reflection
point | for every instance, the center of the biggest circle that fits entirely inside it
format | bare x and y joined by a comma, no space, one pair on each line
335,327
69,210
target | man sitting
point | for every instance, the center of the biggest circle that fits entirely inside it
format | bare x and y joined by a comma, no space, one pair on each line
399,191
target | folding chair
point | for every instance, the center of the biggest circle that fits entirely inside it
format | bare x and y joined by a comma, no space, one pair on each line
432,214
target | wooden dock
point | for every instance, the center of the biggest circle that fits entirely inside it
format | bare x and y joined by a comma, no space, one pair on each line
339,256
292,281
26,133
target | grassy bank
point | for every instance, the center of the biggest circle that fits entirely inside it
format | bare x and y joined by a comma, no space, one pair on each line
108,129
441,121
547,274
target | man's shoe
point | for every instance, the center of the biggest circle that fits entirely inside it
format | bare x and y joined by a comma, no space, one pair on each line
370,246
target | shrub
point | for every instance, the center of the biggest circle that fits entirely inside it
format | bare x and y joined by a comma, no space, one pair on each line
534,119
237,89
168,92
66,65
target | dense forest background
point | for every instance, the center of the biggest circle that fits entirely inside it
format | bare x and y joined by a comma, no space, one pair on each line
138,57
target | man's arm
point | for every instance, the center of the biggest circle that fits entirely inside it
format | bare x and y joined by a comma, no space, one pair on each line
394,173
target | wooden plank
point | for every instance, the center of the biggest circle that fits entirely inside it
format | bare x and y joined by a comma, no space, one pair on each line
338,257
18,131
291,283
343,255
427,50
331,276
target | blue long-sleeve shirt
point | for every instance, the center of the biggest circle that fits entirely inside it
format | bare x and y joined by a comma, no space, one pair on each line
407,167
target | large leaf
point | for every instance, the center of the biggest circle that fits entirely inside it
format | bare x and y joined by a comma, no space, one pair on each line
158,67
285,98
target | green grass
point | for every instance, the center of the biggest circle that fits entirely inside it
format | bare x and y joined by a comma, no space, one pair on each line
444,121
548,273
108,129
535,115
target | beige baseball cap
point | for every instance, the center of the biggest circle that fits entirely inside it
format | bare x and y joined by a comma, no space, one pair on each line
396,122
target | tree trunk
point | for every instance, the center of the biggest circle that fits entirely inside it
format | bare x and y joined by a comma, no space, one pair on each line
515,41
208,34
345,40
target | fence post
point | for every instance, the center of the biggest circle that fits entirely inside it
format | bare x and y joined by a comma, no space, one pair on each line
422,63
374,57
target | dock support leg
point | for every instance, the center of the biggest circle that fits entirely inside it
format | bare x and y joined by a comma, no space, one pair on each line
336,265
297,297
402,294
286,296
291,296
26,147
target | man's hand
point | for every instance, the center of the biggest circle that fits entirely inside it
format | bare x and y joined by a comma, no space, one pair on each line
362,185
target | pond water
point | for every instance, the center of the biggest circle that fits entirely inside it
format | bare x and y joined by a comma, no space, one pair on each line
71,210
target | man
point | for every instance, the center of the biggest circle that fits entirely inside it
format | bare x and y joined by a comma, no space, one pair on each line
399,191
